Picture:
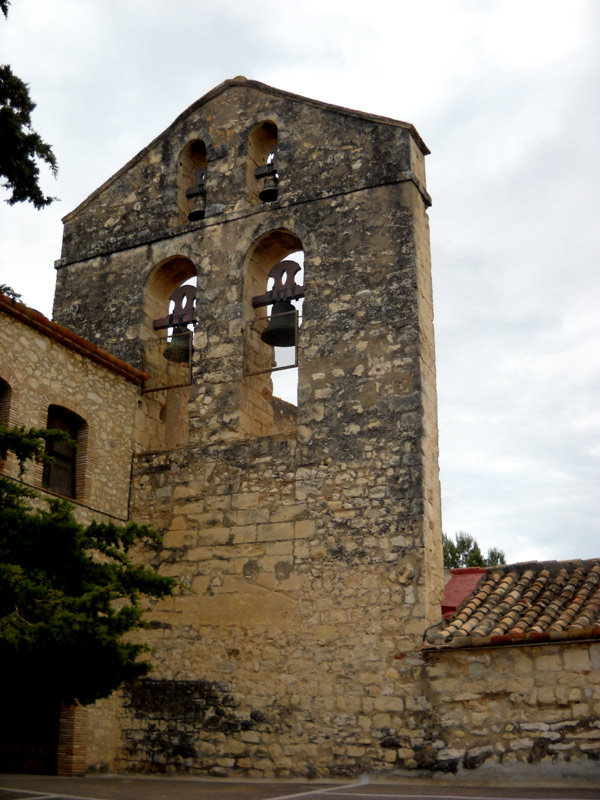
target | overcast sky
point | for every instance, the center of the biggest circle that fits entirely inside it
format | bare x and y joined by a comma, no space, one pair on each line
506,93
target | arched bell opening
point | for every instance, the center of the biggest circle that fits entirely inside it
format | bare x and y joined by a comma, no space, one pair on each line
191,182
262,177
164,279
269,396
167,333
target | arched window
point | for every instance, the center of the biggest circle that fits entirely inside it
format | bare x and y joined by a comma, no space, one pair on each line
169,276
65,474
262,177
285,371
269,400
191,191
170,372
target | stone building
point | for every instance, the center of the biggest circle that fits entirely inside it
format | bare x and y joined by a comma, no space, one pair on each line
306,538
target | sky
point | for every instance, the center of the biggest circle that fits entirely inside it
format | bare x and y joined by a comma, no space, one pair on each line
506,94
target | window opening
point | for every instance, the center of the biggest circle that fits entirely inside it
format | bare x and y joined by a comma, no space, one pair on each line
279,327
181,314
63,474
5,397
167,329
265,410
262,177
169,358
191,182
269,172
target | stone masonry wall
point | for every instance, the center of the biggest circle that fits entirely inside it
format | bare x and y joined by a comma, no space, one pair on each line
321,150
306,556
322,154
511,705
311,557
449,712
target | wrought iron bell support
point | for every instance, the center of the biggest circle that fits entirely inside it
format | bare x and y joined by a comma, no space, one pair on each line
281,329
179,348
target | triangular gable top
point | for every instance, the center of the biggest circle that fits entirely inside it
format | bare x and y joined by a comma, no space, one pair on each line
240,80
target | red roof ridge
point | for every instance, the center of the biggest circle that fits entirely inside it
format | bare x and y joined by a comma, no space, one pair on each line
469,570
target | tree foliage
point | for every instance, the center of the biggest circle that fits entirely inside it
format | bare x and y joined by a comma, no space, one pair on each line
68,592
9,292
464,551
22,148
28,444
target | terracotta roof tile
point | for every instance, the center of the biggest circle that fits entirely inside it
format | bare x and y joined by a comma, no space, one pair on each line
520,603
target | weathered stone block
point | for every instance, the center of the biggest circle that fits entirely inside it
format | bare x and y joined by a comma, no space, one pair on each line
577,659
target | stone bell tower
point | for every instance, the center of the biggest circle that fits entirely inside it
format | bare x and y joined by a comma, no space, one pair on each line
307,539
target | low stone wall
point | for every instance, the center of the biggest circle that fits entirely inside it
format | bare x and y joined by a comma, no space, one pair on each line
425,713
528,704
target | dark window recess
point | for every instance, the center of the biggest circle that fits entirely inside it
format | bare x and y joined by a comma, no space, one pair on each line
59,476
5,394
4,401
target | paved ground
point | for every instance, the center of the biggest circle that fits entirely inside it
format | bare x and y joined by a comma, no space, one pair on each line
40,787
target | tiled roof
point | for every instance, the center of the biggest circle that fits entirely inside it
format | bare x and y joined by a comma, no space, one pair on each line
524,603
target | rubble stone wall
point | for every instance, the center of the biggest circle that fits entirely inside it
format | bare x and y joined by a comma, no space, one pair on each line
511,705
415,713
118,235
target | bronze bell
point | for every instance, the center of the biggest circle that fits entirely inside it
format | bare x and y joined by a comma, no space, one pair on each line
281,329
269,191
178,349
197,193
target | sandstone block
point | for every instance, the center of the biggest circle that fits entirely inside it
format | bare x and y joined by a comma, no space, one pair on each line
288,513
275,532
577,659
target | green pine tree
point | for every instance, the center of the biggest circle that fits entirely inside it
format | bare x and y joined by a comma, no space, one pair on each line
22,148
69,593
464,551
